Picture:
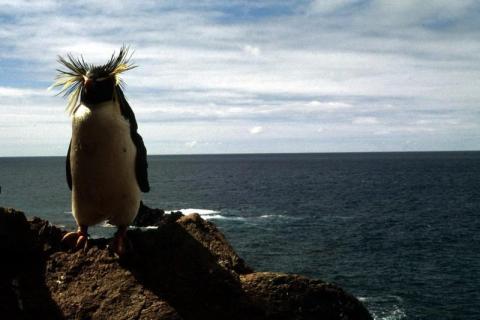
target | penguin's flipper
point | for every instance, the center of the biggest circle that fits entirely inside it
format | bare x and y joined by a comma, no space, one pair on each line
126,110
141,164
67,167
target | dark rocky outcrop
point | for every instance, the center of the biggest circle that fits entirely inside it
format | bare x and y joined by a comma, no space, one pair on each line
147,217
185,269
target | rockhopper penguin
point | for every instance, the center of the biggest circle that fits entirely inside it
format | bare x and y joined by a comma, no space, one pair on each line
106,164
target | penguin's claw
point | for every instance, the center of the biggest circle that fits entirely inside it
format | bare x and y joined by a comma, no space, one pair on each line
82,243
69,237
120,244
75,241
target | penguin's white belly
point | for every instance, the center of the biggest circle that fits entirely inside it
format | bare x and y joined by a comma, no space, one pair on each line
102,160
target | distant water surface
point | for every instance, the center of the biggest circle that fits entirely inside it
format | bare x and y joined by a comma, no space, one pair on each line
398,230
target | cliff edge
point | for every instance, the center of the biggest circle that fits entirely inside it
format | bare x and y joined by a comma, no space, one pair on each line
184,269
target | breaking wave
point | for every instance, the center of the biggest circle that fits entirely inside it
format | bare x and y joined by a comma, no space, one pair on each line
210,214
385,308
202,212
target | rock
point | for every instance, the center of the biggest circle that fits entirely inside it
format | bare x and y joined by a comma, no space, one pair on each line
94,285
185,269
24,293
285,296
147,217
207,234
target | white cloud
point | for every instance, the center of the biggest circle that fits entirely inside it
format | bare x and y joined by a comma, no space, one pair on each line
326,64
404,130
412,11
252,50
329,6
329,106
256,130
191,144
365,120
10,92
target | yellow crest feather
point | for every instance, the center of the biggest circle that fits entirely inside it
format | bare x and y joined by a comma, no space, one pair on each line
72,80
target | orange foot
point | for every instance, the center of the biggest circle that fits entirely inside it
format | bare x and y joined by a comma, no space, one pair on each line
77,240
120,242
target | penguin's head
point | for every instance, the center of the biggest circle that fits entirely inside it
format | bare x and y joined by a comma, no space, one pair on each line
97,87
91,84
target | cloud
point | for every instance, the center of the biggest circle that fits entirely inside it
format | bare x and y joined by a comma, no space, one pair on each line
349,67
191,144
329,6
254,51
9,92
365,120
256,130
327,106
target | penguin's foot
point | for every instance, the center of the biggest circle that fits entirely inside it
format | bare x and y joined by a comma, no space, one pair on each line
76,240
120,243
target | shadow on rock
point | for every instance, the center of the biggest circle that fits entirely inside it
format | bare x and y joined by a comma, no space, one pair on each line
23,290
182,270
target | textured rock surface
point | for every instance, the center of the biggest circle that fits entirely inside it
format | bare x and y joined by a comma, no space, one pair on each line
285,296
185,269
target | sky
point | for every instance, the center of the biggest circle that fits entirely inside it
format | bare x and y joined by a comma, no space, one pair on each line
253,76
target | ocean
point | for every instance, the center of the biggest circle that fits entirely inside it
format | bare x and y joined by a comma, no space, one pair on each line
401,231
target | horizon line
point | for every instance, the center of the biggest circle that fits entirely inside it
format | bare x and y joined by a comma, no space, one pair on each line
267,153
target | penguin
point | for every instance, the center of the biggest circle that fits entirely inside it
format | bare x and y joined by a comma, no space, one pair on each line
106,163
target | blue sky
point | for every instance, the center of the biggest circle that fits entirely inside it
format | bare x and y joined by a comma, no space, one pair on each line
254,76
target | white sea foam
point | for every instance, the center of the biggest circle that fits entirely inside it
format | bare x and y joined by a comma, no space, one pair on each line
385,307
208,214
396,314
202,212
220,217
105,224
266,216
146,228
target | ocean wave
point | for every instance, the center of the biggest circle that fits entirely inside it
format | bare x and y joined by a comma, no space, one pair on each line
268,216
202,212
108,225
385,298
396,314
105,224
145,228
208,214
385,307
220,217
